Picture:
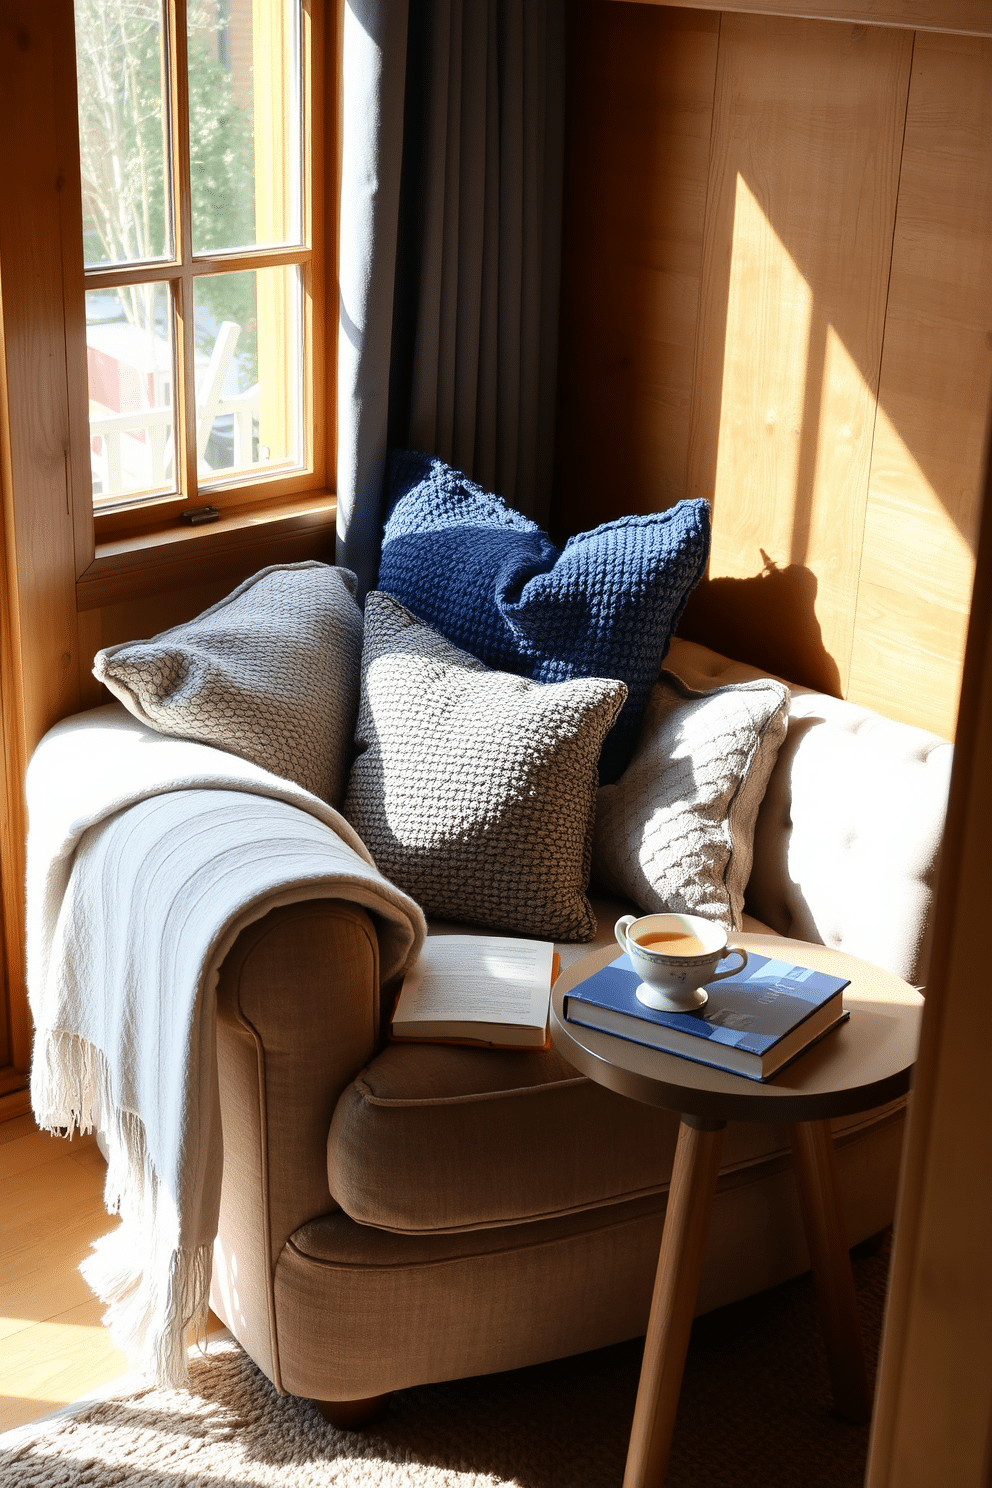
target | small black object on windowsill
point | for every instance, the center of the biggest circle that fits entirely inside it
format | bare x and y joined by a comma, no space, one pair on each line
194,515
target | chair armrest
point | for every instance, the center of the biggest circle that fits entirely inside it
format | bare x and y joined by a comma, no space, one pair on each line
297,1018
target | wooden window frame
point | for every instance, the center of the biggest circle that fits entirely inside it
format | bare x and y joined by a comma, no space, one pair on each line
119,551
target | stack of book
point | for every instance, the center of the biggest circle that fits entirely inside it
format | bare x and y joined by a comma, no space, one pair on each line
753,1024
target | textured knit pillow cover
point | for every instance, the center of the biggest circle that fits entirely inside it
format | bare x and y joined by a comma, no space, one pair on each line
676,832
271,673
474,790
490,580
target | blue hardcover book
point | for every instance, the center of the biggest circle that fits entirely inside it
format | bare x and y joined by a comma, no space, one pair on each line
752,1024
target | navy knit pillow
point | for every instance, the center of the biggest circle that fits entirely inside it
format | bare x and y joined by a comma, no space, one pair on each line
490,580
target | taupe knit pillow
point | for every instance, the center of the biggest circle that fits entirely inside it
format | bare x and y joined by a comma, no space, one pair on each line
676,831
474,790
271,673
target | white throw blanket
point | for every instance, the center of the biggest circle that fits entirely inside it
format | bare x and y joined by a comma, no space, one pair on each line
146,858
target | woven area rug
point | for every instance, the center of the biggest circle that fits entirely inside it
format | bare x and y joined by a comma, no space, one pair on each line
755,1410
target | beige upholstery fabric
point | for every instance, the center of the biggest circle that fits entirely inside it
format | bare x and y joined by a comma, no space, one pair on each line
270,673
435,1138
297,1013
408,1309
675,832
847,842
474,790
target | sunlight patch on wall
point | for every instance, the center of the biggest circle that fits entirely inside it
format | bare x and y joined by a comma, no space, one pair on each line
769,315
839,466
905,510
913,593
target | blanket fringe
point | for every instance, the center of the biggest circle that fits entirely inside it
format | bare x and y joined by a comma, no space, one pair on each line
68,1079
152,1325
156,1292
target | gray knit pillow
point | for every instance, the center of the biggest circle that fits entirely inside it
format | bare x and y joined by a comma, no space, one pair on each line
676,831
474,790
271,673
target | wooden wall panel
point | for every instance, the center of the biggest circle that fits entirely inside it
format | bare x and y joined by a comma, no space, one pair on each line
964,17
37,609
807,135
817,361
934,396
640,103
33,392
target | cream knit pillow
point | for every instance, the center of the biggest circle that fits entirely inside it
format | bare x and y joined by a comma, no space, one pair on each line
676,831
270,673
473,789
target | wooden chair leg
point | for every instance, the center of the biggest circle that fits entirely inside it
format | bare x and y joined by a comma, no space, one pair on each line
353,1415
826,1234
673,1305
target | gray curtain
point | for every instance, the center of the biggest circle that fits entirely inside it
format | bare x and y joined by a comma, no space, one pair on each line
451,237
374,69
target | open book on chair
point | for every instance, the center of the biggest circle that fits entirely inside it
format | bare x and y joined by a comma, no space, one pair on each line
478,989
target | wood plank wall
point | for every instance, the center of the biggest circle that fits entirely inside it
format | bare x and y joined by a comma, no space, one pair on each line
777,294
38,674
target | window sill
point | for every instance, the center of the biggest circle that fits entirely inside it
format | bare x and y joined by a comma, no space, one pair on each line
238,544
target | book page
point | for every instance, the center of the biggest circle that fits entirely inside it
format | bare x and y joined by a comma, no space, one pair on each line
478,979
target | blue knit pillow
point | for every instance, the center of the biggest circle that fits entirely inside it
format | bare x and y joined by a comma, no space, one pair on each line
490,580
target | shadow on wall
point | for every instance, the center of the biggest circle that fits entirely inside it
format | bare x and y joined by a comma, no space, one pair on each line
769,620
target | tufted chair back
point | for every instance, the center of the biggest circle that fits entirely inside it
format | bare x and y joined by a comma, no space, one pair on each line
855,802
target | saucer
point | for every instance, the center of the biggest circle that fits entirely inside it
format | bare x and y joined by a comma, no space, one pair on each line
688,1000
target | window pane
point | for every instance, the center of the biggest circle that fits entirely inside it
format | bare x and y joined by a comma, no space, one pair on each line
120,74
245,126
248,372
130,367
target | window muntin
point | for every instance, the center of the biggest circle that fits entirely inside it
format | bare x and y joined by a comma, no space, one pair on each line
211,168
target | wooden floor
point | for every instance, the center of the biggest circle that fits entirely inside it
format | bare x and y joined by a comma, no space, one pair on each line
53,1347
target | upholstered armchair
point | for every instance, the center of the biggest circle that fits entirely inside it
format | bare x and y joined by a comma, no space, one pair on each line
394,1215
290,786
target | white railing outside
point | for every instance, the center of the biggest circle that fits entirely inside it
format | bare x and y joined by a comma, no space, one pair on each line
127,464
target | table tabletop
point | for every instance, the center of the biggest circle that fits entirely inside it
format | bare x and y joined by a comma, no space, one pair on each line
864,1062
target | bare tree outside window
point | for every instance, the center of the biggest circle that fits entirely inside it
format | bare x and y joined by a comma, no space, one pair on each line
237,72
124,147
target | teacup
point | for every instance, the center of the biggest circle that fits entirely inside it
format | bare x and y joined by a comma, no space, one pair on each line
674,954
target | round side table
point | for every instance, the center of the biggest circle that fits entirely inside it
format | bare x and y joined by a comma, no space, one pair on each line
863,1063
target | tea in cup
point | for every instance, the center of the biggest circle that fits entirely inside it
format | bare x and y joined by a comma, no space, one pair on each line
674,954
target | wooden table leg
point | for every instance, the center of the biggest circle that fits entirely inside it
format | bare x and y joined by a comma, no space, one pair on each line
826,1234
673,1305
